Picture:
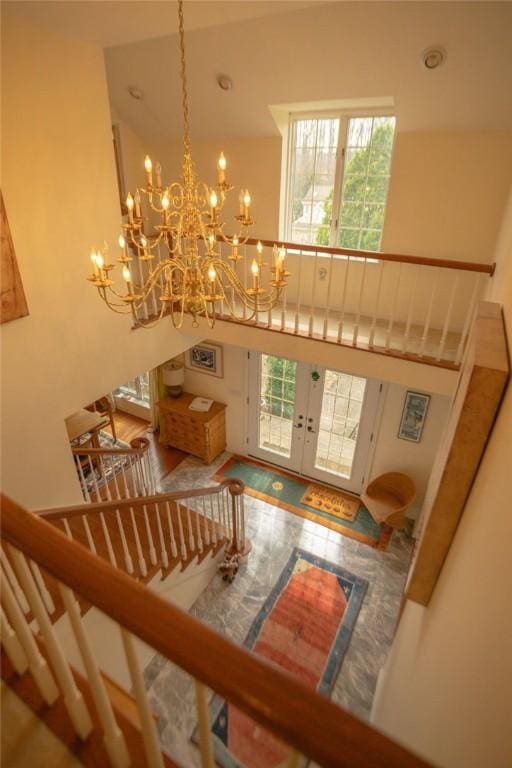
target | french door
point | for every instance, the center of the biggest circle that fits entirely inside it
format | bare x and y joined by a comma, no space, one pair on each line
314,421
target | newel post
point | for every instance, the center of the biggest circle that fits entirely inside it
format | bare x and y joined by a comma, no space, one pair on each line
239,546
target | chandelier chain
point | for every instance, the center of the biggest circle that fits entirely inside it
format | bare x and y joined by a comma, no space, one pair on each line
186,136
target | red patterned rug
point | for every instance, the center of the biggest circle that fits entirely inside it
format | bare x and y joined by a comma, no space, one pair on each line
305,627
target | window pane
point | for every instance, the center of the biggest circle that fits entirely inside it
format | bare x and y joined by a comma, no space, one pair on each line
313,169
365,181
277,398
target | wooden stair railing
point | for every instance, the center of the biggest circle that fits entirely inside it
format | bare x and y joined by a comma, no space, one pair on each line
115,473
296,714
151,535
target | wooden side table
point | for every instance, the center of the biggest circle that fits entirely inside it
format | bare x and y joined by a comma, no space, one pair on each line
203,434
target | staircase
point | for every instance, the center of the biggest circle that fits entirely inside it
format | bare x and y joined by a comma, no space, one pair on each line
104,724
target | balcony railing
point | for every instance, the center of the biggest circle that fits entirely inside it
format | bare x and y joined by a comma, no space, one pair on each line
404,306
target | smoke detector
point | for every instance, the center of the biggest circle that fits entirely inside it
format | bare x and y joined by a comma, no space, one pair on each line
224,82
135,92
433,57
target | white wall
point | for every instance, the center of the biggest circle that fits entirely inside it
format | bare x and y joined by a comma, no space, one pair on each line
60,193
446,690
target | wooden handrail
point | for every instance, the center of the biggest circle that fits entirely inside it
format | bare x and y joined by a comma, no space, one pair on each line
138,446
467,266
236,488
277,701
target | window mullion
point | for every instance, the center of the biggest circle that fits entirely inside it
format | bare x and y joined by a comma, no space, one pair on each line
338,180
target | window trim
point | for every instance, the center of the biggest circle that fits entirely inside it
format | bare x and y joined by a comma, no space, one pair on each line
343,115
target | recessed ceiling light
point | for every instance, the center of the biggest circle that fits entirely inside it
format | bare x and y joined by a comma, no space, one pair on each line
135,92
433,57
224,82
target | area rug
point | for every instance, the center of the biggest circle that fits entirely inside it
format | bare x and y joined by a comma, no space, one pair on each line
304,627
282,489
335,503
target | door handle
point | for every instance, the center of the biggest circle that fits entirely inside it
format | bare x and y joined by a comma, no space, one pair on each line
298,426
310,429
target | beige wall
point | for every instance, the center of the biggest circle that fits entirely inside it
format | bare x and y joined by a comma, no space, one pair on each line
446,691
60,193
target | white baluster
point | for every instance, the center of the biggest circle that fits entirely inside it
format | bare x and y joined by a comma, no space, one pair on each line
393,306
13,581
90,539
127,491
469,318
92,471
242,516
183,546
174,549
328,301
83,484
108,542
412,296
112,734
140,555
163,549
128,562
38,666
191,542
448,318
73,698
426,327
12,645
343,299
103,472
47,598
199,539
149,534
117,494
311,324
149,473
299,289
67,528
203,724
149,734
355,332
212,518
206,530
376,305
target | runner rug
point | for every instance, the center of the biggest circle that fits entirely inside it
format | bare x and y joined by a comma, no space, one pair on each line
304,627
282,489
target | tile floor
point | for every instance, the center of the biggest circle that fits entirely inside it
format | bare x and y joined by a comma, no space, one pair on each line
230,609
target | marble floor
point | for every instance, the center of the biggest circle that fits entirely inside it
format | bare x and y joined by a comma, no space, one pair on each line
230,609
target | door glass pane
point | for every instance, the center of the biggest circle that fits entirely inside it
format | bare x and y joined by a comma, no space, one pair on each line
277,400
342,403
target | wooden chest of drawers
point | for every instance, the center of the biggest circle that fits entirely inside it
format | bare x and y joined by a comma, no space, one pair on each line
201,434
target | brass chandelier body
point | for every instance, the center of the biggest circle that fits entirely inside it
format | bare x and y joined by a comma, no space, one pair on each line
193,278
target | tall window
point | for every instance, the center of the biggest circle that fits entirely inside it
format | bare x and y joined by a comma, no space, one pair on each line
338,180
136,390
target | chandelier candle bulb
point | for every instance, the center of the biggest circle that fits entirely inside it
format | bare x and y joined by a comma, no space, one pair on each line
100,262
235,248
129,204
158,171
94,264
213,203
127,276
212,274
247,203
137,205
148,165
221,167
241,202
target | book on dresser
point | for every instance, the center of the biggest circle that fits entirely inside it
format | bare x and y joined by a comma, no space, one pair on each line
201,433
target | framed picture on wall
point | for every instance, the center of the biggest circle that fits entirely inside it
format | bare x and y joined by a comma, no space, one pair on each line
206,358
413,416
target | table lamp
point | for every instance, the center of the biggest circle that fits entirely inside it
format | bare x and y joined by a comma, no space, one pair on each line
173,378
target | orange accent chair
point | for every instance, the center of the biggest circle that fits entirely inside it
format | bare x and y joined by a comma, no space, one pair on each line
388,497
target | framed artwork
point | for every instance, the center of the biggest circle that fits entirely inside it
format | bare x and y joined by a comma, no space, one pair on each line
13,303
206,358
413,416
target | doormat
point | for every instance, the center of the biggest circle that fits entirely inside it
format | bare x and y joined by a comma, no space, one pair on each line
333,502
284,490
304,627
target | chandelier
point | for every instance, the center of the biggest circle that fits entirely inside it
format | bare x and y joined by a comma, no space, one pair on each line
192,277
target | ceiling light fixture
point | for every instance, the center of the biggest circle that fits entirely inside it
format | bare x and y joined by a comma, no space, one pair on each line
433,57
224,82
178,266
135,92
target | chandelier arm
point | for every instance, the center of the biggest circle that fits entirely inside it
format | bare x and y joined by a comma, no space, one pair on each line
112,306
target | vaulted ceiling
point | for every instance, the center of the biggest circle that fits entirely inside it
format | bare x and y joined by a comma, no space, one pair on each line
284,52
